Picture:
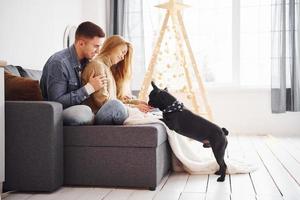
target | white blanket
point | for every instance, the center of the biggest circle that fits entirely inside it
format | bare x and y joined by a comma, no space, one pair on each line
190,155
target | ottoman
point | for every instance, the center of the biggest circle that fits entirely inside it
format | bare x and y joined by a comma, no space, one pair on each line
116,156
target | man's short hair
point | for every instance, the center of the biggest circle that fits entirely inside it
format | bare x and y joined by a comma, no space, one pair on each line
88,30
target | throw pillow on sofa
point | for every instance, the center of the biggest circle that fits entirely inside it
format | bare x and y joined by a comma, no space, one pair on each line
21,89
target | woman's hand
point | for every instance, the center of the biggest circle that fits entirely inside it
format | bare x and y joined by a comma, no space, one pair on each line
143,107
137,101
139,104
126,97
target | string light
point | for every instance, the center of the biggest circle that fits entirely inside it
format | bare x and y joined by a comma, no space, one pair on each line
172,64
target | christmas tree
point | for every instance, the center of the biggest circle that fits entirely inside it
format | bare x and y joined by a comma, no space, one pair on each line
173,64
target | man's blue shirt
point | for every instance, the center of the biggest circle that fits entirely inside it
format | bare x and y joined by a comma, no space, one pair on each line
60,80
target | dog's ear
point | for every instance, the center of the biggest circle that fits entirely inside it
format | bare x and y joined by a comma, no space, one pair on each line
153,85
166,89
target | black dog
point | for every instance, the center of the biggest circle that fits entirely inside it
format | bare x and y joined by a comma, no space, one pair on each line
178,118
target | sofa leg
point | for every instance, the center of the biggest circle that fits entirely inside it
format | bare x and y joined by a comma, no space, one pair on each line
152,188
1,190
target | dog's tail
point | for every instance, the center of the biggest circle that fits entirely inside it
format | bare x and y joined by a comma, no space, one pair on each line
225,131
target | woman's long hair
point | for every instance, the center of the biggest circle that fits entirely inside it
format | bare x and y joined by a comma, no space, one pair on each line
121,71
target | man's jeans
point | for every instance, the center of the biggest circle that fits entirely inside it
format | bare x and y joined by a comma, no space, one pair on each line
113,112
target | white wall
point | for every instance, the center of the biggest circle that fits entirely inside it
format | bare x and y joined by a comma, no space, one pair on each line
95,11
248,111
32,30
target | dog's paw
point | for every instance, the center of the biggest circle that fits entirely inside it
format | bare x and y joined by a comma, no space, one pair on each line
163,120
218,172
221,179
206,145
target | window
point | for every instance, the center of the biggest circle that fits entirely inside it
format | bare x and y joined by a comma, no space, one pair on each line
209,25
230,39
255,42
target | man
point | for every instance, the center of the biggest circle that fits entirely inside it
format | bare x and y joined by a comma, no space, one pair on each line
61,81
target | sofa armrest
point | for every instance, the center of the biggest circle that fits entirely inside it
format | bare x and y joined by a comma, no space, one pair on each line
33,145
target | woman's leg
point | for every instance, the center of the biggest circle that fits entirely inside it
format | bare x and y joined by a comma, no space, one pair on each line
78,115
113,112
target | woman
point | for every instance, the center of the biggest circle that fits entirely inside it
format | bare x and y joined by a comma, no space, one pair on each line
114,62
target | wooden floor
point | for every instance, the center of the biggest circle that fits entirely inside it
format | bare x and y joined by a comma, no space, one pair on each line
277,178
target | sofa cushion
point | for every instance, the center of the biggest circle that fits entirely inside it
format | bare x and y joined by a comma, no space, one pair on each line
147,135
21,89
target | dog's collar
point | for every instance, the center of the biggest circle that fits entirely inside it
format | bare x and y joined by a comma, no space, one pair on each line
174,107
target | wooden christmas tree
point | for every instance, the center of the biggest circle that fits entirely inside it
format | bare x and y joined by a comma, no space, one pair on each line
173,64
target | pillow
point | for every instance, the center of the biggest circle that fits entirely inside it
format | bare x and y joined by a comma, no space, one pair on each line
12,69
33,74
21,89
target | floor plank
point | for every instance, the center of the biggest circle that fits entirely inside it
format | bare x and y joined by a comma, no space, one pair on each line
286,184
215,187
192,196
241,184
176,181
147,194
290,147
173,187
95,194
284,157
119,194
269,197
216,196
295,141
203,196
241,196
262,180
277,178
51,196
196,184
168,195
18,196
65,193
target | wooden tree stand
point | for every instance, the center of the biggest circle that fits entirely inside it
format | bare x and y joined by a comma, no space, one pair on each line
184,52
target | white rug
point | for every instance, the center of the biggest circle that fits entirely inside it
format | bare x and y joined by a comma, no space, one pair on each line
190,155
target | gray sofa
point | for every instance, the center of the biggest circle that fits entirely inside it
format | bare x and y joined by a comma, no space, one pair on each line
42,155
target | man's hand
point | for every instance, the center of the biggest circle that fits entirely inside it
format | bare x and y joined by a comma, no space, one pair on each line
97,82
